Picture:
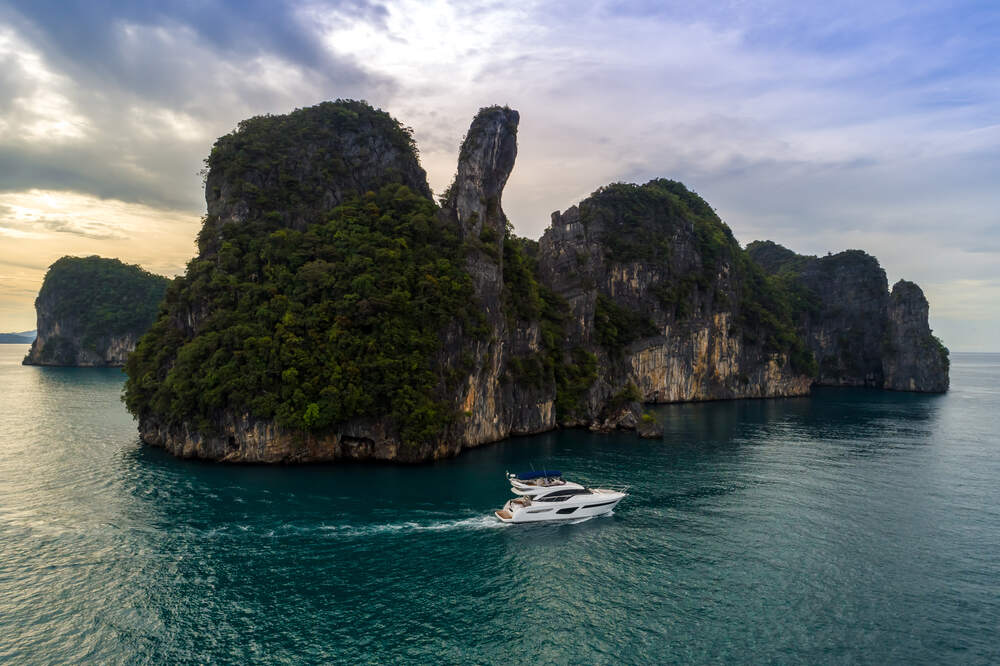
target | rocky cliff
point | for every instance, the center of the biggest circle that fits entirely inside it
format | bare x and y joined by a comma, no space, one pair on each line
860,334
472,204
92,311
335,312
662,295
913,358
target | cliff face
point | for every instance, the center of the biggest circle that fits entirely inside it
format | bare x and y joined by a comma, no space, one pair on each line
473,205
657,290
846,328
92,311
63,341
913,359
859,333
639,293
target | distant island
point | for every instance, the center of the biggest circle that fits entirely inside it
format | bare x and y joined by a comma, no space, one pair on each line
335,310
859,332
22,338
91,311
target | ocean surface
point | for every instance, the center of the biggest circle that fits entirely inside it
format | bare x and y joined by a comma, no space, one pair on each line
851,526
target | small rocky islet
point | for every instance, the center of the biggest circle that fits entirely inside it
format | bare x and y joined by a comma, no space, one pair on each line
335,310
91,312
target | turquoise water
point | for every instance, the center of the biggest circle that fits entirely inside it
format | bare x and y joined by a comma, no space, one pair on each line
852,526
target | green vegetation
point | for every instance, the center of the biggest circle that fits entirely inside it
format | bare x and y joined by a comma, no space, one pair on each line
529,370
104,297
573,380
640,222
262,163
640,219
525,299
627,210
617,327
936,343
630,393
315,327
769,308
677,296
774,258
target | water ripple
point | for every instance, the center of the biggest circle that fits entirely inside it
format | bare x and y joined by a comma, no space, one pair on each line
854,526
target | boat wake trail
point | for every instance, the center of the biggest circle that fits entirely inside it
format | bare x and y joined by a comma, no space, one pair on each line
472,523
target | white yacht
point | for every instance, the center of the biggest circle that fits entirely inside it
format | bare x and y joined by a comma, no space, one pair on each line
546,496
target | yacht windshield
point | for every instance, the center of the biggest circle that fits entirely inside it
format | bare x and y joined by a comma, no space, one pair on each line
562,495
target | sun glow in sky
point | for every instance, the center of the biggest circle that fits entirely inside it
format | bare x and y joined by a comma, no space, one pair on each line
867,125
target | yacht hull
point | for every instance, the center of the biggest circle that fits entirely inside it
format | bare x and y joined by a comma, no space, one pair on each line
582,507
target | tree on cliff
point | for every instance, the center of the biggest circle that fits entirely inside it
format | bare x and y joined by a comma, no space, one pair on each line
86,304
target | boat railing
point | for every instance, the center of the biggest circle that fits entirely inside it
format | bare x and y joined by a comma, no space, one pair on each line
612,489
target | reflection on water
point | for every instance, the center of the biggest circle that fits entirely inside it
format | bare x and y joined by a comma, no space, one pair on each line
853,525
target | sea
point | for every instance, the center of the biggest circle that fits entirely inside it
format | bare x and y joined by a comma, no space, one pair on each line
852,526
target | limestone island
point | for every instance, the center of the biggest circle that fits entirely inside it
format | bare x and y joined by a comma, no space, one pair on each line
336,311
92,311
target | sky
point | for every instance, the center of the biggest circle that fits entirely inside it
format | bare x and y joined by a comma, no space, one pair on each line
821,126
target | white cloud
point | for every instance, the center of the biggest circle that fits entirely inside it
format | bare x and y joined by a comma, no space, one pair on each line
41,108
822,128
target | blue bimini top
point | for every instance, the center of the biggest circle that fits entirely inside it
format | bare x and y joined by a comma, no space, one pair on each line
528,476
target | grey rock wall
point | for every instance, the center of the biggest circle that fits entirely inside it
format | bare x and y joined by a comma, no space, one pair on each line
860,334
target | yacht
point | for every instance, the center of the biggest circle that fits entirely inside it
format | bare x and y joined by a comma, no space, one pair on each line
546,496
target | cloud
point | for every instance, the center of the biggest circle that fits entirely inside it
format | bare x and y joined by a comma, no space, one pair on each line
54,223
92,41
24,221
821,127
125,102
94,230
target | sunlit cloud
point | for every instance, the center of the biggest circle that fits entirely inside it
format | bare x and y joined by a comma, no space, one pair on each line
58,223
820,127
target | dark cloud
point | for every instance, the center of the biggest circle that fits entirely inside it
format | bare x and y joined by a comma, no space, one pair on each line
128,72
86,32
91,169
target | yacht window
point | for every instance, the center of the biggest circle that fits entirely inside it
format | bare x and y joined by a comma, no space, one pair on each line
568,492
569,509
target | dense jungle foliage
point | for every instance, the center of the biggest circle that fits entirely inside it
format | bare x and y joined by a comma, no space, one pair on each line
314,327
104,297
526,299
295,167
